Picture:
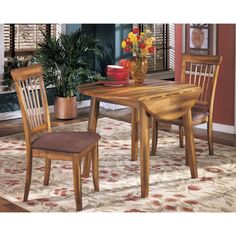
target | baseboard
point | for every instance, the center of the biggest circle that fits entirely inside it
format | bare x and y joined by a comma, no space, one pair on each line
111,106
220,128
229,129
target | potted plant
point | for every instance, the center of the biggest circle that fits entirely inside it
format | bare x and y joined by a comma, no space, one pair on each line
67,63
13,63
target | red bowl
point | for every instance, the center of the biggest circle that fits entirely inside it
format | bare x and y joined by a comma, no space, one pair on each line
115,68
122,75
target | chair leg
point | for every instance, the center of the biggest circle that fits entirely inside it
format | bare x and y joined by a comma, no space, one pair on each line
186,156
189,145
210,137
77,184
47,171
181,136
95,169
28,174
154,136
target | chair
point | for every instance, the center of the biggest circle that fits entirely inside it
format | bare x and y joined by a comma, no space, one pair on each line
66,146
203,71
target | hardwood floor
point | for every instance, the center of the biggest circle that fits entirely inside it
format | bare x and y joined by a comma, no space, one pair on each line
15,126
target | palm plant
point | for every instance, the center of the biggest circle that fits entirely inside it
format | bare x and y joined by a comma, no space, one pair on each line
13,63
67,61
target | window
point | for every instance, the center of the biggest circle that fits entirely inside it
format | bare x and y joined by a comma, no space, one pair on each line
164,58
22,39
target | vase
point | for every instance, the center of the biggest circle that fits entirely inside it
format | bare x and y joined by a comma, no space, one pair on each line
138,69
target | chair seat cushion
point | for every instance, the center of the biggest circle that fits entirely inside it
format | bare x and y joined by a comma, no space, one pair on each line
199,116
71,142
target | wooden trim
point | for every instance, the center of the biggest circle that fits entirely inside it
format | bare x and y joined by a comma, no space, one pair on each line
215,41
235,79
184,38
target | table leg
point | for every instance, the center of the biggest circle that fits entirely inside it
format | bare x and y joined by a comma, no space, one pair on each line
92,125
189,145
134,135
144,152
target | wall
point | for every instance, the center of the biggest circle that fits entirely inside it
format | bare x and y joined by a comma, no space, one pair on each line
224,101
72,27
225,91
105,33
121,32
178,50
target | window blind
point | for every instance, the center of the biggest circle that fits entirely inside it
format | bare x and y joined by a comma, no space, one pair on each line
22,39
164,57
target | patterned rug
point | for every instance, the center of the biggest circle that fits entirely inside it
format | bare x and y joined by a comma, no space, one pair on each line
171,188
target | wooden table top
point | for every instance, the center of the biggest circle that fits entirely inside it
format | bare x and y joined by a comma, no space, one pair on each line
131,95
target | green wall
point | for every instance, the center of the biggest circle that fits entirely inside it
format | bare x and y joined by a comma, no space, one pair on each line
72,27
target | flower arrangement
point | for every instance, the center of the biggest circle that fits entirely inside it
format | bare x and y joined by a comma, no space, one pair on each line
139,43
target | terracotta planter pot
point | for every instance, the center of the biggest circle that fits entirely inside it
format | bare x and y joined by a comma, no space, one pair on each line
65,108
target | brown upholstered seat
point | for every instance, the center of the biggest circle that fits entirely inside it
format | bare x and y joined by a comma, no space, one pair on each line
71,142
199,116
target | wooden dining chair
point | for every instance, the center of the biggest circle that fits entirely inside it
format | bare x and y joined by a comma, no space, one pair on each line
203,71
66,146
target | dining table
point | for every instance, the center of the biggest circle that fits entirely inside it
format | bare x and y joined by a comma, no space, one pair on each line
154,97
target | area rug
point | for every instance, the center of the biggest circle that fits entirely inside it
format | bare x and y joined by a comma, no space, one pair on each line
171,188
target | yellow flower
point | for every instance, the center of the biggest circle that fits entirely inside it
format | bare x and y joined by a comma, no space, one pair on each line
133,39
130,35
123,44
148,42
142,34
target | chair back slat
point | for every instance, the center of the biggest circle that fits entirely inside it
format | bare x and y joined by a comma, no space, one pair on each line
195,75
202,71
190,73
32,98
203,82
34,91
30,108
200,77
